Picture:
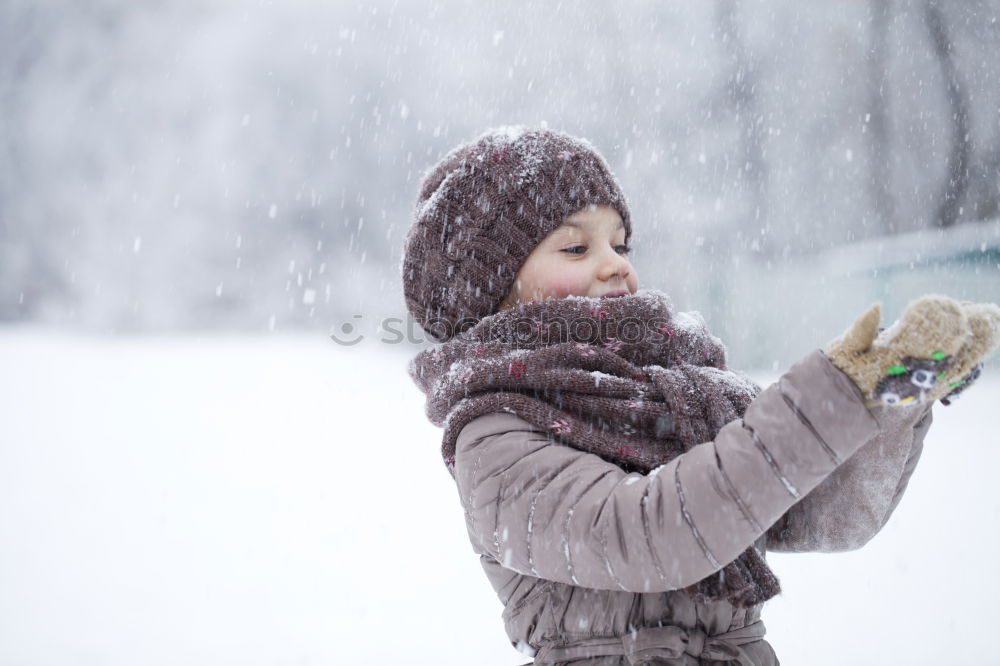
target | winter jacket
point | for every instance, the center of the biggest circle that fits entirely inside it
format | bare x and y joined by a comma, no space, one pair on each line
589,561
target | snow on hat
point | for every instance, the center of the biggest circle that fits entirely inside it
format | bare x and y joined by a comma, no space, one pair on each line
482,210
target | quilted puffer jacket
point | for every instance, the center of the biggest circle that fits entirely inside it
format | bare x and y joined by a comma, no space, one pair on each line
589,561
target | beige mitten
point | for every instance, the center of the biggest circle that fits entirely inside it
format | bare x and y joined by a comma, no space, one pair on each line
933,348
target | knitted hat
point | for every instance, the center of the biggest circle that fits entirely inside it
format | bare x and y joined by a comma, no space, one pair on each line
482,210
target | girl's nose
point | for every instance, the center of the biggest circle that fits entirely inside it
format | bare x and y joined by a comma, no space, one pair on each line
616,265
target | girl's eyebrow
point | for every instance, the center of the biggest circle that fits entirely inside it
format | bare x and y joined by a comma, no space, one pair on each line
568,223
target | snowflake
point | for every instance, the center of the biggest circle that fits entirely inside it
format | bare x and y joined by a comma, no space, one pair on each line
599,312
517,368
560,426
614,344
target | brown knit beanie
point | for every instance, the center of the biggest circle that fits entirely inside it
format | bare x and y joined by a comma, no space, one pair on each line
482,210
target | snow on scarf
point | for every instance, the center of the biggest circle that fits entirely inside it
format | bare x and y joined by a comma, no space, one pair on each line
625,378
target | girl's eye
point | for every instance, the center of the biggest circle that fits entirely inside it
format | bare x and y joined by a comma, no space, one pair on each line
580,249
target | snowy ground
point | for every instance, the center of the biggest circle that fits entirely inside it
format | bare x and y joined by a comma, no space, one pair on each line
280,500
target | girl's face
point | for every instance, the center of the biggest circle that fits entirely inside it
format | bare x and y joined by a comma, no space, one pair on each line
585,256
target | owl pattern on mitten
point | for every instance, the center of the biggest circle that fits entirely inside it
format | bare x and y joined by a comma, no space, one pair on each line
911,379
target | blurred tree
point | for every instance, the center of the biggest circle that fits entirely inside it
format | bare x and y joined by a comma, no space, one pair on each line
742,79
29,272
957,183
984,173
877,119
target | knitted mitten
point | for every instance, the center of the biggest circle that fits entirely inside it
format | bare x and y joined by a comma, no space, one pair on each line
934,349
983,320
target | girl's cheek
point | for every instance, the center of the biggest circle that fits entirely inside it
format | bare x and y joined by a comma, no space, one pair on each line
565,285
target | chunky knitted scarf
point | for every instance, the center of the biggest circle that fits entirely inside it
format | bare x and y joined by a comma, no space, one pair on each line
625,378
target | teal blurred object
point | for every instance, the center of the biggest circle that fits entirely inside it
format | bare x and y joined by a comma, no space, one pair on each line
769,314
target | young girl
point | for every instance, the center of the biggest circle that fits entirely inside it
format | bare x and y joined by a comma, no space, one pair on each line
621,485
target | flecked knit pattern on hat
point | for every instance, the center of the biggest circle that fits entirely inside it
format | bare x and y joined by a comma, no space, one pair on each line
482,210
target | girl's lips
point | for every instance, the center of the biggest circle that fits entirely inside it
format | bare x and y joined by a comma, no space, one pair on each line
612,294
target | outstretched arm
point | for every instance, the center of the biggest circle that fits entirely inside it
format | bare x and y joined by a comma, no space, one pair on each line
853,504
550,511
932,351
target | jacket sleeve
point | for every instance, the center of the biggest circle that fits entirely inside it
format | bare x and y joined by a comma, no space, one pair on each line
854,503
550,511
